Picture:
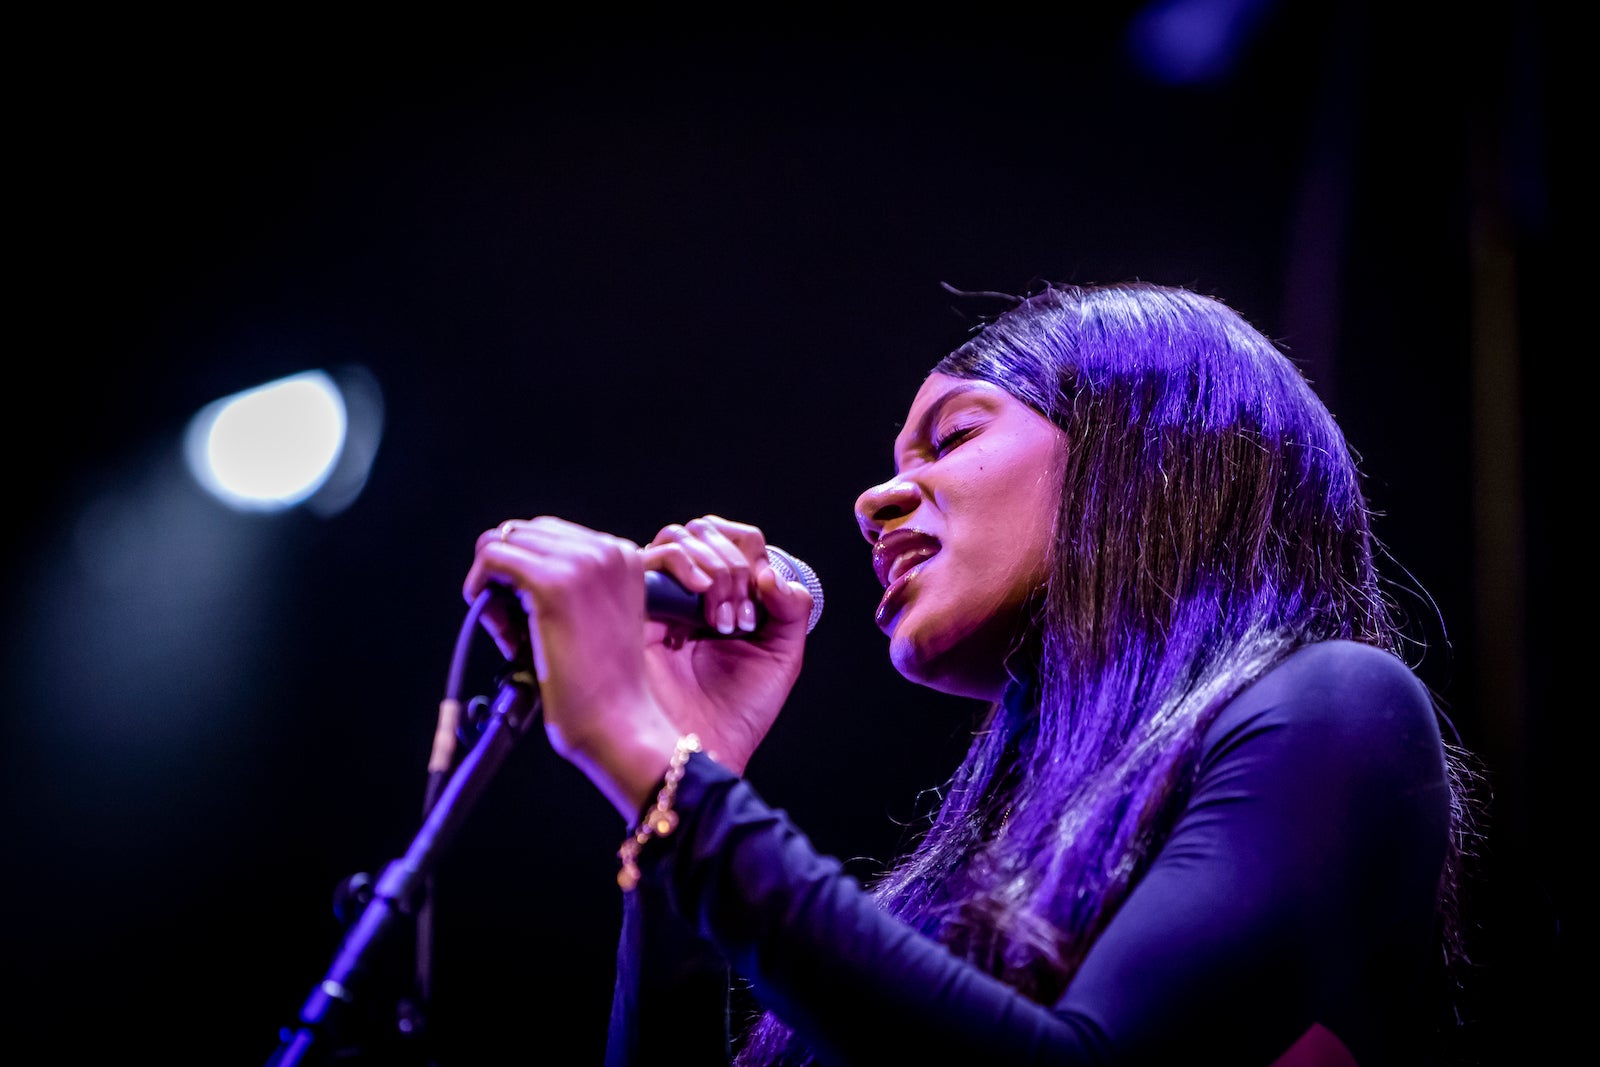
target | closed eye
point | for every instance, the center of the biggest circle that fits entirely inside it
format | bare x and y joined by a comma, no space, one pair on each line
952,439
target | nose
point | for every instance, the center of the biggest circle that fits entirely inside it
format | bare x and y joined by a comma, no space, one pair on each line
884,503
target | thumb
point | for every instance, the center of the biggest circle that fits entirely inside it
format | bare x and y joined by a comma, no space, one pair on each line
786,601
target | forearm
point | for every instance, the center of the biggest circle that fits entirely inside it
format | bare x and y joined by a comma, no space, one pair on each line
857,985
670,1001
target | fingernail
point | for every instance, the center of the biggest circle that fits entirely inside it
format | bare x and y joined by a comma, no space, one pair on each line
747,616
725,617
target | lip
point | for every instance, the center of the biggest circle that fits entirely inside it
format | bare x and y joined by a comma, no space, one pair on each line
897,558
898,551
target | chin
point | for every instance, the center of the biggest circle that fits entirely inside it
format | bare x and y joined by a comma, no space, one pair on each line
947,667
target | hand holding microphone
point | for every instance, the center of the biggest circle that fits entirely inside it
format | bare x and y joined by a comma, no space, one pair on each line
705,543
668,600
618,684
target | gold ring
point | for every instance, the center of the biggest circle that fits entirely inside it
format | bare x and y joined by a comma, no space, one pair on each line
505,529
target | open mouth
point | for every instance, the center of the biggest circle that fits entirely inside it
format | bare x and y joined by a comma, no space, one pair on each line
897,559
899,551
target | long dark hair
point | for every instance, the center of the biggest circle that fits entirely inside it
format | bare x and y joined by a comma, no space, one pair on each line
1212,520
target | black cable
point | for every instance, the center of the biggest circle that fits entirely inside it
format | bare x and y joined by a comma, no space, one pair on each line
441,761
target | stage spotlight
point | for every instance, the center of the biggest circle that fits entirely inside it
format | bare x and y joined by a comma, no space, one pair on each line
307,439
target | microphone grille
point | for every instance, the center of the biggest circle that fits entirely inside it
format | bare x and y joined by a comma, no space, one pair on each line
796,570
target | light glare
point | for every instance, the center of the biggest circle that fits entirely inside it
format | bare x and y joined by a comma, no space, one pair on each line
269,447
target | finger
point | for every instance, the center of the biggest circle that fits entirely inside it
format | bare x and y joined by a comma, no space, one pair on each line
506,623
479,575
670,553
542,555
784,600
556,555
725,573
749,540
502,618
765,581
503,532
735,606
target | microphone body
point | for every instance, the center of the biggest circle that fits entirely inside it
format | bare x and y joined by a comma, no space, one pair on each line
666,600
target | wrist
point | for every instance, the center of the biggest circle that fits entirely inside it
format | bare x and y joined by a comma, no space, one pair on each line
661,818
629,769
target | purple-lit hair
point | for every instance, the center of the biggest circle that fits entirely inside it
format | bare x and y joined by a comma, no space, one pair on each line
1211,522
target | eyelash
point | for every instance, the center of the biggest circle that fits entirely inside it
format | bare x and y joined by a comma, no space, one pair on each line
951,439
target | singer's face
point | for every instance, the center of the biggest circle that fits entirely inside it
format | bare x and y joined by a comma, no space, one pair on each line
961,534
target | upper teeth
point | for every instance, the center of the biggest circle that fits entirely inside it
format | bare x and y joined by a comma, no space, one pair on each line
906,560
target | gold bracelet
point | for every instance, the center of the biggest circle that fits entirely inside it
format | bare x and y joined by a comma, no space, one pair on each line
660,820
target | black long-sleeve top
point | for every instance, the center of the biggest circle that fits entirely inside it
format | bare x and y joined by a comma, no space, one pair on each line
1295,893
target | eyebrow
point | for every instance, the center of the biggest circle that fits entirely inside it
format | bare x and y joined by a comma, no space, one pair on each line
931,416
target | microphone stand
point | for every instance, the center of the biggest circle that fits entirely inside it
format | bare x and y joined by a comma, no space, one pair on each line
403,881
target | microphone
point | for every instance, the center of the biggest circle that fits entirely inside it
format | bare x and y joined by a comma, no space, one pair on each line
666,600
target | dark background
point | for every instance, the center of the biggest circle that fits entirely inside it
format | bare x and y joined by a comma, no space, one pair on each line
631,275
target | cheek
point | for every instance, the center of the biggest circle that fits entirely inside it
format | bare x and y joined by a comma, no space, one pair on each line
1014,578
979,601
1024,522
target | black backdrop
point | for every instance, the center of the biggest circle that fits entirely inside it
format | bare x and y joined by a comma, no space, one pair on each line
631,276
